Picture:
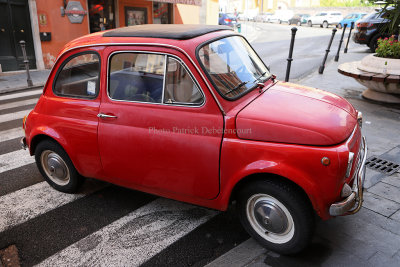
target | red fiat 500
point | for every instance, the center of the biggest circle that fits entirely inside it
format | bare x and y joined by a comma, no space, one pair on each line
193,114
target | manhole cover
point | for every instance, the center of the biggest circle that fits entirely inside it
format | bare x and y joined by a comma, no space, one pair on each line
382,165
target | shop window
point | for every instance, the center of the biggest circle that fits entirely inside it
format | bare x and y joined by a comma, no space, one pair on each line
101,15
162,13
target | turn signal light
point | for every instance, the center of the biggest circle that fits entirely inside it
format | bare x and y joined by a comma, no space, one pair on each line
24,122
325,161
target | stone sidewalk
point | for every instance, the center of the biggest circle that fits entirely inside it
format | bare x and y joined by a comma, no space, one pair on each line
370,237
15,81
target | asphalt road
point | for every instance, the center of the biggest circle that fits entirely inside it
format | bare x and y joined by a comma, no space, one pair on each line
272,42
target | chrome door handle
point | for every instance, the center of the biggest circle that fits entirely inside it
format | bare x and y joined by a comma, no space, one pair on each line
101,115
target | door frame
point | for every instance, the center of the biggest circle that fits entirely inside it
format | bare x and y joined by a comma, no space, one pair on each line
35,35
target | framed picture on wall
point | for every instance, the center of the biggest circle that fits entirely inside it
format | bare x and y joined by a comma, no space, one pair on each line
135,15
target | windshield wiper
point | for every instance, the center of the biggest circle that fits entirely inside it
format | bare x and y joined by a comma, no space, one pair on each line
244,83
236,87
259,77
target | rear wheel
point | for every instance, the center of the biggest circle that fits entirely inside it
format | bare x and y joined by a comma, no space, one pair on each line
309,23
277,215
56,167
325,24
339,26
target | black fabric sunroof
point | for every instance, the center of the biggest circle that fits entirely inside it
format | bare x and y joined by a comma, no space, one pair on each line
168,31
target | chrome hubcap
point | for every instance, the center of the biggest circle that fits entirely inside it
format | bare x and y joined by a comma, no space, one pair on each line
55,167
270,218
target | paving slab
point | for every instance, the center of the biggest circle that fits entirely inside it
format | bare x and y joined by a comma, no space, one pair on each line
357,229
380,205
372,177
396,216
379,259
320,253
392,155
386,191
11,82
393,179
240,255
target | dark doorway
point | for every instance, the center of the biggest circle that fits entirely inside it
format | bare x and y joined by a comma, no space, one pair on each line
101,15
15,25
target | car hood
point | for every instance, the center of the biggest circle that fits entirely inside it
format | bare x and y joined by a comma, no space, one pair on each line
290,113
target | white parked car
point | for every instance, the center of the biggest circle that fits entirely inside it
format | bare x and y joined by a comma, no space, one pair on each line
281,16
324,19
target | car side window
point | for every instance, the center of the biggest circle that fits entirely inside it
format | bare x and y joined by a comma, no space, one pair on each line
136,77
78,76
179,86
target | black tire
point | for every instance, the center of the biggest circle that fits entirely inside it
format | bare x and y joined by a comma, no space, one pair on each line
51,158
373,44
339,26
299,225
309,23
325,24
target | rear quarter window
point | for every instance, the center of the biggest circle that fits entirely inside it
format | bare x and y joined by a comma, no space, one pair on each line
78,76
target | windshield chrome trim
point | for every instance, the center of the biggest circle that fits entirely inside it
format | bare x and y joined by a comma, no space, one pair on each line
164,78
151,44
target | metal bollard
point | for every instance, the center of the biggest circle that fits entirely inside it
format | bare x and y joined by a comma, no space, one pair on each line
322,67
348,39
340,43
26,62
290,59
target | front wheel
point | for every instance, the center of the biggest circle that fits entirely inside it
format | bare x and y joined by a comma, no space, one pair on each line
277,215
56,167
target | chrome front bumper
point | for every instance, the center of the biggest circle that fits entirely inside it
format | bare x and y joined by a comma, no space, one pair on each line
352,203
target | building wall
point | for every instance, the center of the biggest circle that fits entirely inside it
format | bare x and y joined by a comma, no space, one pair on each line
61,29
184,14
212,12
136,3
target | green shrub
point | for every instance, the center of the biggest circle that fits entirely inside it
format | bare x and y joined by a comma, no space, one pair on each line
388,47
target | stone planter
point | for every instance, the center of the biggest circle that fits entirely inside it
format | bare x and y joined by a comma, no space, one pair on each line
380,75
372,63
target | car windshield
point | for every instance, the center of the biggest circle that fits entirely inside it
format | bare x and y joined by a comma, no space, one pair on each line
233,66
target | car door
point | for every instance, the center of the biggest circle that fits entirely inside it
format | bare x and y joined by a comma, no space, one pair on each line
159,130
317,19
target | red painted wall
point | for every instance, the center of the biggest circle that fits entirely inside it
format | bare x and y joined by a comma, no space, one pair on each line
61,29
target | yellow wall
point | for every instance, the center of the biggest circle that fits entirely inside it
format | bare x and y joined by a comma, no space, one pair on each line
212,12
186,14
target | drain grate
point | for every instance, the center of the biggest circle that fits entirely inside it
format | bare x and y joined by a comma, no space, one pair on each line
382,165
